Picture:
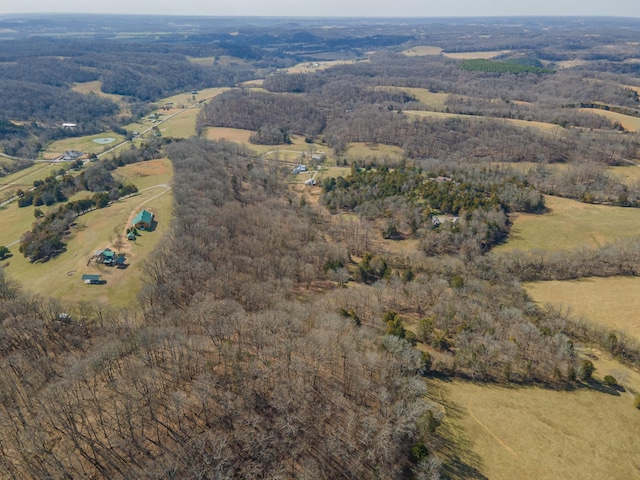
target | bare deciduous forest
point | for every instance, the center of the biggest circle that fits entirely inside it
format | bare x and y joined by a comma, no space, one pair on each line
277,337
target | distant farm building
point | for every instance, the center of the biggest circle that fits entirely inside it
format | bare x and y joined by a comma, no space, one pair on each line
143,220
69,156
69,125
300,169
131,236
92,279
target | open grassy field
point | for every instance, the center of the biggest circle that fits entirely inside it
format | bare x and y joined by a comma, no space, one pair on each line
96,88
204,61
363,150
476,55
631,124
613,302
306,67
25,178
83,144
628,174
291,152
548,127
422,50
571,224
186,98
61,277
532,433
424,95
182,125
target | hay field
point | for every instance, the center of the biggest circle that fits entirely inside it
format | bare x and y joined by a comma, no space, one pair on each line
571,224
24,178
424,95
613,302
548,127
487,55
61,277
306,67
95,87
378,150
628,174
631,124
506,433
182,125
186,98
422,50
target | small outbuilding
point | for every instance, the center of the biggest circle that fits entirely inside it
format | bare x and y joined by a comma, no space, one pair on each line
91,279
143,220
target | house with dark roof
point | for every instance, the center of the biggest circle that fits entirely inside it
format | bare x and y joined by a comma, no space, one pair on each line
90,279
143,220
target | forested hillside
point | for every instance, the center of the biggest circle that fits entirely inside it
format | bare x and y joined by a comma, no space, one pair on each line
302,300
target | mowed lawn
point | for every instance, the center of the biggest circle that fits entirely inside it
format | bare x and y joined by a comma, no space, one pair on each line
505,433
571,224
613,302
61,276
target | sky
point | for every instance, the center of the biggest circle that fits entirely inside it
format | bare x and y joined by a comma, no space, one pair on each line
332,8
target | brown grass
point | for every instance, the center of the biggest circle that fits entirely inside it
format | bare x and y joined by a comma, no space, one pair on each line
532,433
631,124
613,302
476,55
571,224
520,123
422,50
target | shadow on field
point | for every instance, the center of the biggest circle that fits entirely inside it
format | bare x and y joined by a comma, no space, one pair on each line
453,447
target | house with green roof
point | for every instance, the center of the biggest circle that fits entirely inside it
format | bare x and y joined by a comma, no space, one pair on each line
143,220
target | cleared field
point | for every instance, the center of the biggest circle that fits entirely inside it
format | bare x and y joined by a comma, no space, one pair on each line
96,88
613,302
204,61
182,125
61,277
433,99
628,174
548,127
306,67
83,144
186,98
422,50
363,150
531,433
632,124
291,152
476,55
571,224
24,179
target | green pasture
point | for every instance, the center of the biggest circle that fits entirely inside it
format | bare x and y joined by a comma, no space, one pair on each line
505,433
570,224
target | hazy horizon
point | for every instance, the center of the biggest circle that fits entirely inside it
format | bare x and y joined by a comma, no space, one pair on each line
333,8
